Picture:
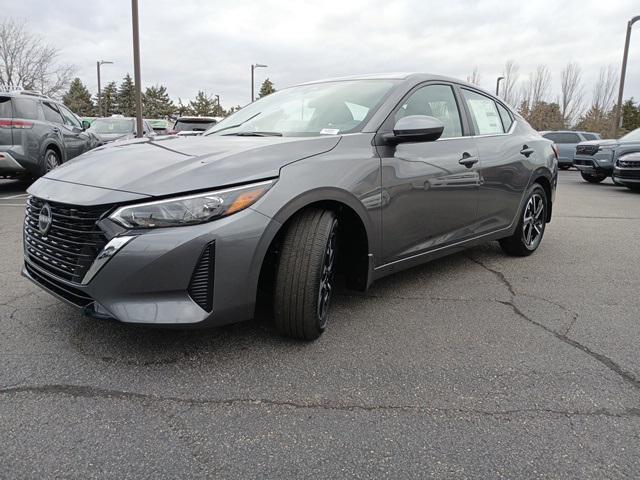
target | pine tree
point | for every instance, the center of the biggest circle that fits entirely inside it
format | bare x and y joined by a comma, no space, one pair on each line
109,99
204,105
127,97
266,88
78,99
630,115
182,109
157,103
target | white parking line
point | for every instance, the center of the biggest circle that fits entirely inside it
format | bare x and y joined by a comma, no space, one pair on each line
13,204
10,197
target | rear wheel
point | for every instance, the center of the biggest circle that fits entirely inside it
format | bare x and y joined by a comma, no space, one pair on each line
305,273
528,235
564,167
593,177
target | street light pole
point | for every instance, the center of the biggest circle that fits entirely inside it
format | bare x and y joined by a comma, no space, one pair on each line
253,67
98,64
498,85
136,67
625,55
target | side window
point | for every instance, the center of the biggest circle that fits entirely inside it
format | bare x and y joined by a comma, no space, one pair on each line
484,113
435,101
505,116
51,113
551,136
589,136
69,118
25,108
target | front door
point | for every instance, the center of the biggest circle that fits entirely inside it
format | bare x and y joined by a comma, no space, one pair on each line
431,187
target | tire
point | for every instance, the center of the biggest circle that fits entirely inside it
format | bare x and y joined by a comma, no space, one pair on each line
593,178
531,225
304,274
50,161
564,167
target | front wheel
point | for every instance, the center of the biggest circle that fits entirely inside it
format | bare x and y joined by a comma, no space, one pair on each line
593,177
305,273
528,235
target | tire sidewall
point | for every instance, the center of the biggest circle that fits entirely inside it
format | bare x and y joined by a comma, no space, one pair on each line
536,188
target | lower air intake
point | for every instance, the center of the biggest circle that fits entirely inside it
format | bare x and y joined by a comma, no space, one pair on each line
201,285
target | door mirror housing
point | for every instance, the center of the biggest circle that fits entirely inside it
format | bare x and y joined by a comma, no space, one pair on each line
415,128
85,124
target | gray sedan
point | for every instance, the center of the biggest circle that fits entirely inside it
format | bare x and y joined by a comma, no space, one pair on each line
359,177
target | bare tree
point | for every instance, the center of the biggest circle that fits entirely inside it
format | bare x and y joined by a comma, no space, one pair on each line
509,91
571,92
604,89
475,76
26,60
536,90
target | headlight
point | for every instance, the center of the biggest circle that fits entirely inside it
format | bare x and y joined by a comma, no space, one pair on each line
191,209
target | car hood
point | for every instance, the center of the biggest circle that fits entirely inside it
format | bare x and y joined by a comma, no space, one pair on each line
174,165
602,142
110,137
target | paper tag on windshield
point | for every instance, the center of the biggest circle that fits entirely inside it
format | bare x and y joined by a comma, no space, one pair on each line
329,131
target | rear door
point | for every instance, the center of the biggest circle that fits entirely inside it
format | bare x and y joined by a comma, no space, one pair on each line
431,196
503,176
6,116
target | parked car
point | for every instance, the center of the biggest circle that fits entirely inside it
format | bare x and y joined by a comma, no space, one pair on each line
364,176
596,159
160,125
37,134
118,127
193,126
567,140
626,170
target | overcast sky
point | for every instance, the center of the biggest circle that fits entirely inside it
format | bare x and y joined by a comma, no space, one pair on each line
188,45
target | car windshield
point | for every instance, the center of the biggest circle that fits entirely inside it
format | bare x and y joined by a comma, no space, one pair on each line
308,110
632,136
193,125
112,125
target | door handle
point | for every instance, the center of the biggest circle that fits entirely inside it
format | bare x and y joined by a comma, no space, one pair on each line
526,151
467,160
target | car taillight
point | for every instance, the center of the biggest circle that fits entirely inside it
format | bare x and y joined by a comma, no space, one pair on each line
555,150
15,124
171,132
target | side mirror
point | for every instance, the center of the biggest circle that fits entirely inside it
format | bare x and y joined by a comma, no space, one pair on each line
85,124
415,128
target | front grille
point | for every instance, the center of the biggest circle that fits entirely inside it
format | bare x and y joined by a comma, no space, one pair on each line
586,163
629,163
628,174
72,242
201,285
587,149
71,294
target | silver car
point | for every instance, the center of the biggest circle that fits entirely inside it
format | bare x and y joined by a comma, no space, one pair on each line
360,177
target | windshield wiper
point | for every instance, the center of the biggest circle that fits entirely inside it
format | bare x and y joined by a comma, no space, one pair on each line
234,126
254,134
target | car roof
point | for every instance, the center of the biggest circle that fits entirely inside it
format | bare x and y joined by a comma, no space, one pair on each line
191,119
567,131
392,76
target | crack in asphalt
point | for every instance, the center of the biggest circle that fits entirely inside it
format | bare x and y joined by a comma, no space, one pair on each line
627,376
86,391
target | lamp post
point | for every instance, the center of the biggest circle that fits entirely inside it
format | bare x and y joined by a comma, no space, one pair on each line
498,85
99,63
218,103
625,55
253,67
136,67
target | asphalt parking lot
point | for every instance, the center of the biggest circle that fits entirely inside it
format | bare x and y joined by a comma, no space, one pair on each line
475,366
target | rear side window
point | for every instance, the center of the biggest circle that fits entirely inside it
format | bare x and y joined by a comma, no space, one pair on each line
51,113
435,101
563,137
5,107
590,136
484,113
505,116
25,108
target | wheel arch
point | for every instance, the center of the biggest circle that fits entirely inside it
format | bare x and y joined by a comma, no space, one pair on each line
355,237
53,145
544,178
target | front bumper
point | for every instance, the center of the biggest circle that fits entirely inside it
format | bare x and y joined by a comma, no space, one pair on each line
147,280
593,165
627,176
